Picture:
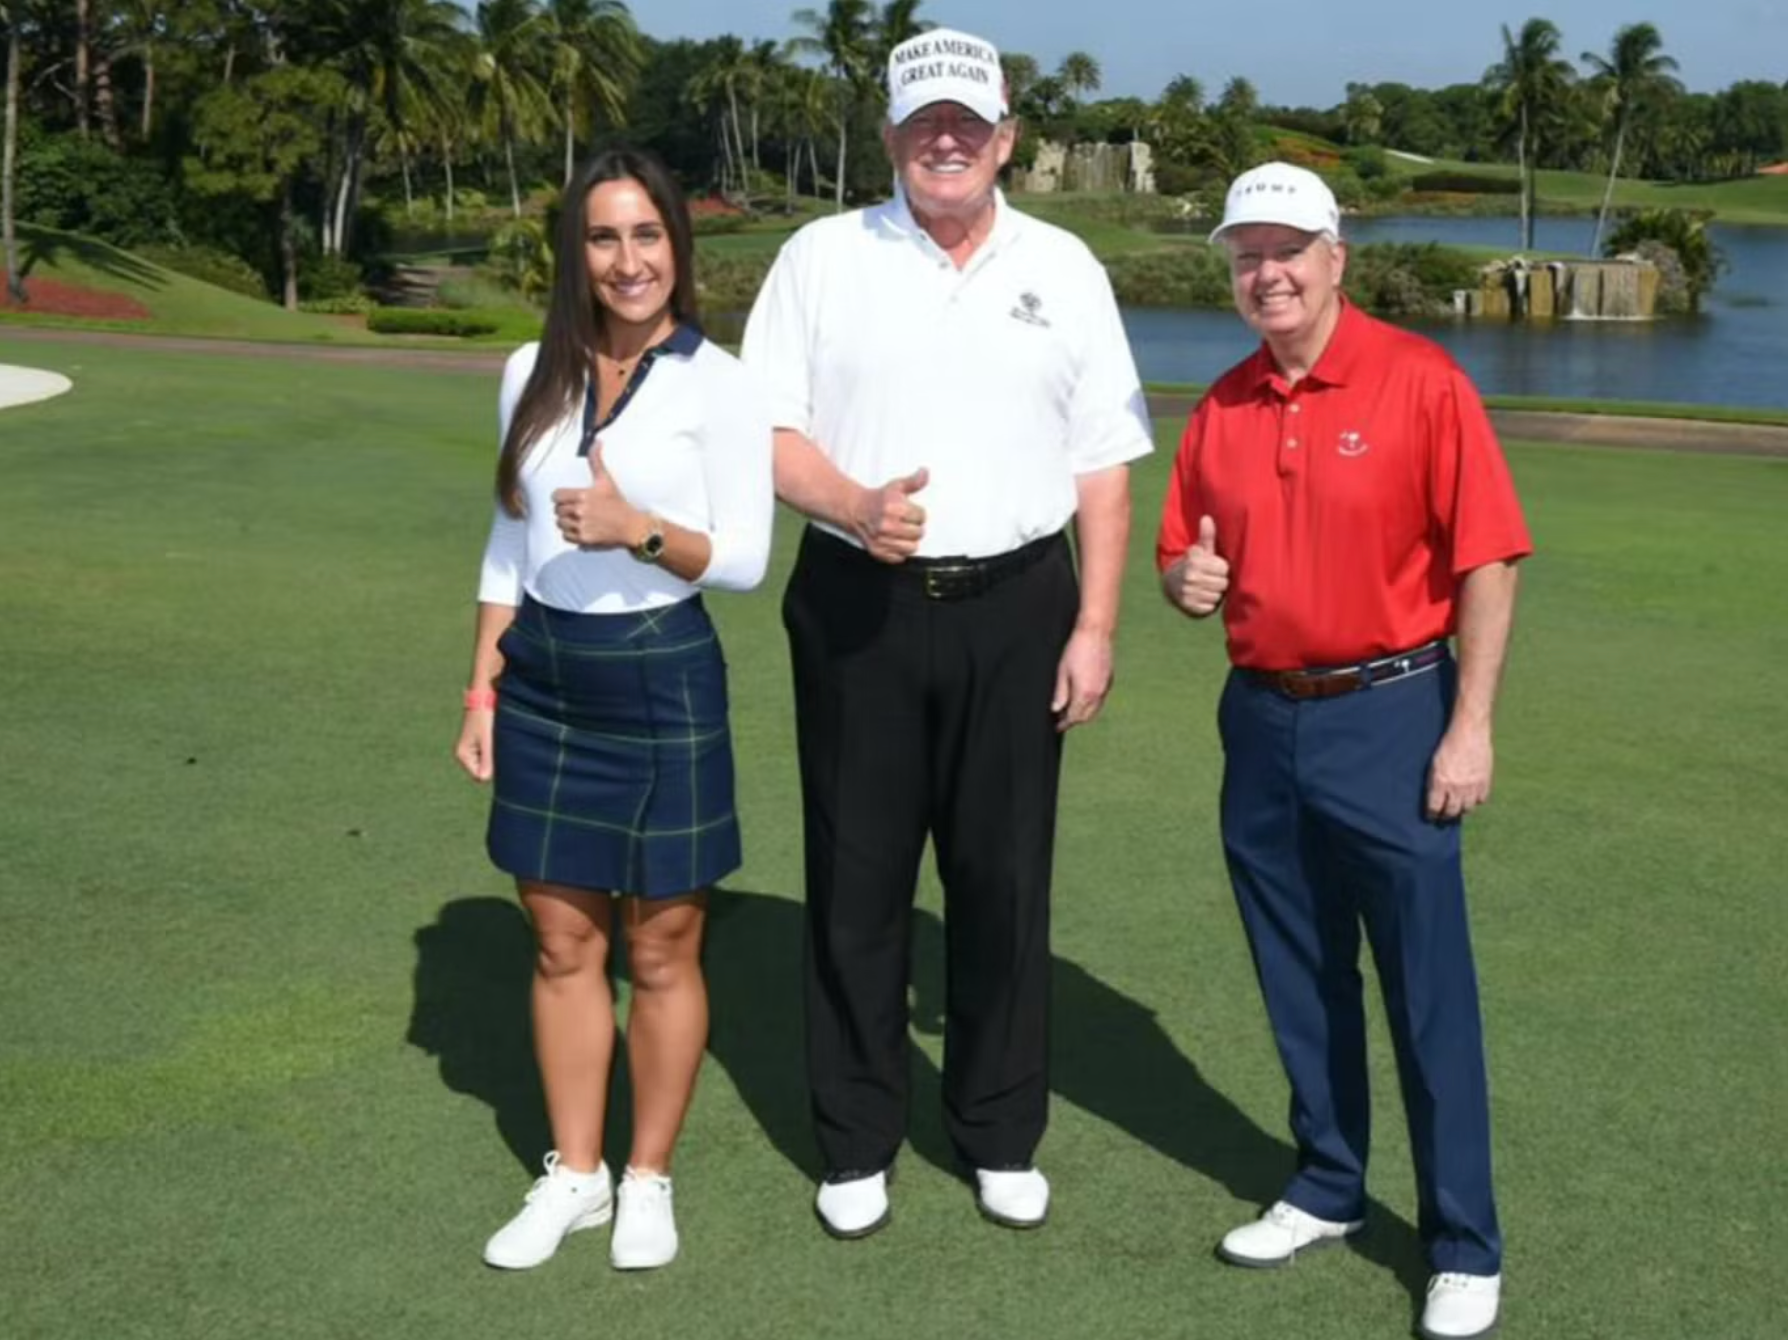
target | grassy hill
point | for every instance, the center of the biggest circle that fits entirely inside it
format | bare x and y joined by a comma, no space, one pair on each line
181,305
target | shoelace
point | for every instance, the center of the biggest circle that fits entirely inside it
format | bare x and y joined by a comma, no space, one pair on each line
647,1188
1454,1280
552,1171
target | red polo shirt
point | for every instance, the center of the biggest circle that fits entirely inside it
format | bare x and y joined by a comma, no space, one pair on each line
1349,504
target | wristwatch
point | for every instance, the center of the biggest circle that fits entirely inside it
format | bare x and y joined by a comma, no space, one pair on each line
651,547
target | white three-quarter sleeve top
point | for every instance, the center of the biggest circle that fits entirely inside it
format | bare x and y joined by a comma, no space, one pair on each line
689,440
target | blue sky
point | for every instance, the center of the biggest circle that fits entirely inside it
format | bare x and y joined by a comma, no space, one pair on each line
1298,52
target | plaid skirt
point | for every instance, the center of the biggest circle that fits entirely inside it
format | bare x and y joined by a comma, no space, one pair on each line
612,758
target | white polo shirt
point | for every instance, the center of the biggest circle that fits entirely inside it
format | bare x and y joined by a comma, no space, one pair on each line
691,443
1004,379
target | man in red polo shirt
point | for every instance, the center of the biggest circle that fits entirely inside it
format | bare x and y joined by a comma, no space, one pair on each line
1340,496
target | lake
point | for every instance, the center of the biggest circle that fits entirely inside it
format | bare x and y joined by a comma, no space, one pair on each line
1734,353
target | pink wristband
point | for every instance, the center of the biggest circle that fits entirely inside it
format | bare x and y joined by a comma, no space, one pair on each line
481,700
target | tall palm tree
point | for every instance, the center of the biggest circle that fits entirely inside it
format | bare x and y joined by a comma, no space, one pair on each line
1184,93
596,54
514,40
895,23
1080,73
391,54
1021,72
141,28
1530,84
1634,70
715,91
842,35
761,74
448,121
12,18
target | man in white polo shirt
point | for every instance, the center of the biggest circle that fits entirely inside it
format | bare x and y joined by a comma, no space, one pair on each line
951,386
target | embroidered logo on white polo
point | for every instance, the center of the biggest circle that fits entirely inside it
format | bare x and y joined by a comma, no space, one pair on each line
1030,310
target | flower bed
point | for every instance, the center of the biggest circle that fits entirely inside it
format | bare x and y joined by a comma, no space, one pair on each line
52,297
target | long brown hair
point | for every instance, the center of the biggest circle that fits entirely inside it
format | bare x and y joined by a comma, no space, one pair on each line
574,317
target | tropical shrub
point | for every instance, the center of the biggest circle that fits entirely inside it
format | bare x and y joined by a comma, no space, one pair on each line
1685,235
1408,279
353,304
521,257
1182,277
322,278
429,321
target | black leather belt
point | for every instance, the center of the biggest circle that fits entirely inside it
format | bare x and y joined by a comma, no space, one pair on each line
1347,678
953,578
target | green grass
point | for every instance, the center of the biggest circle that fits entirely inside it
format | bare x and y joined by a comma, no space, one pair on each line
265,1065
1750,200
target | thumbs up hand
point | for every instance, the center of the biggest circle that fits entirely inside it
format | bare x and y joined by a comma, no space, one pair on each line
887,520
597,517
1199,581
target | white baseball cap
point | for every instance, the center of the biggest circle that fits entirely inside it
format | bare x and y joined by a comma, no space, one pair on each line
944,65
1284,194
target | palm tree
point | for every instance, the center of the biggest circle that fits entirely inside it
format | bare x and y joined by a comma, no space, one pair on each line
715,91
1184,93
1079,73
897,21
391,54
596,52
1239,99
1529,84
1635,69
448,120
842,35
12,17
142,25
1021,72
513,50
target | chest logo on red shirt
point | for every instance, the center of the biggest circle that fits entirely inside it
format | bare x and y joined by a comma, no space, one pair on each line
1352,444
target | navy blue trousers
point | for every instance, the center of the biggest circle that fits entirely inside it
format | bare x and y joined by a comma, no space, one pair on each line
1324,832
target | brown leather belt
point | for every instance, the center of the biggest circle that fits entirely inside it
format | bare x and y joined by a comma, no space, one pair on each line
1345,679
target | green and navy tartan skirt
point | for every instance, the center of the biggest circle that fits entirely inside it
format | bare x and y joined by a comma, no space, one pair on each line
613,762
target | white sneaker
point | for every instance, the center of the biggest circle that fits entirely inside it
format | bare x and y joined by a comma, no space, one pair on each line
645,1228
561,1203
1013,1199
854,1208
1280,1234
1461,1306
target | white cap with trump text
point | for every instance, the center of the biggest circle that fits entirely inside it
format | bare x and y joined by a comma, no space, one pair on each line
945,66
1280,193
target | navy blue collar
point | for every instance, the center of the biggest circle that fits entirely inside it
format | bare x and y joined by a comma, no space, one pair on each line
683,341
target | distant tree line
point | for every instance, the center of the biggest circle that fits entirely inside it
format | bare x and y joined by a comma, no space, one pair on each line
293,137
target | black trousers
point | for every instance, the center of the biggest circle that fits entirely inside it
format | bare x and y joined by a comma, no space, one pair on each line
917,716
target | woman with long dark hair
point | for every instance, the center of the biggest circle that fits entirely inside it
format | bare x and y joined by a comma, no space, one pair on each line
635,473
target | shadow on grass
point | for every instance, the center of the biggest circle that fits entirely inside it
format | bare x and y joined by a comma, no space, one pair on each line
1110,1055
470,1010
47,246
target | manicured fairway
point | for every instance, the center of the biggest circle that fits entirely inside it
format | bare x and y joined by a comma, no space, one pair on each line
263,1043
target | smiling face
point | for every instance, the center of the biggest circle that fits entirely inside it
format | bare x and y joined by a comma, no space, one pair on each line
948,159
1286,282
628,254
